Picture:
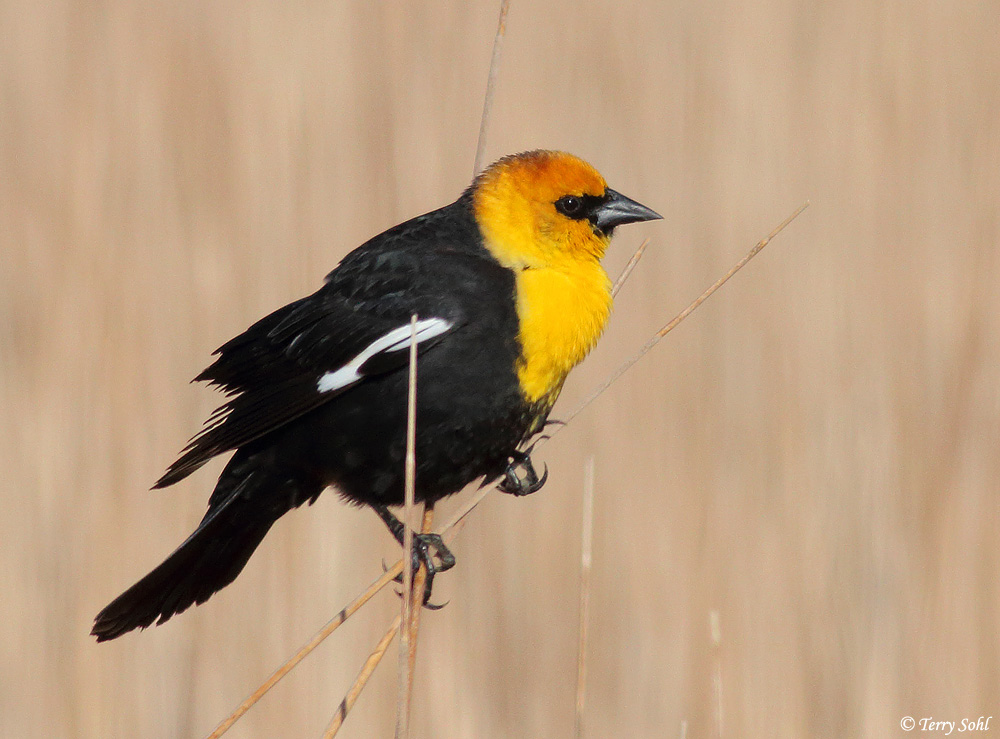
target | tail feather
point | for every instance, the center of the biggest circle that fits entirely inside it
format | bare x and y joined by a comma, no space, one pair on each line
206,562
244,506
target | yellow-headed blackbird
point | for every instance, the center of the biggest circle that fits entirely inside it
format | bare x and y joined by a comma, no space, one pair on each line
510,295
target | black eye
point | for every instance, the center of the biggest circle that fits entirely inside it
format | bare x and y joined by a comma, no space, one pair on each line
570,206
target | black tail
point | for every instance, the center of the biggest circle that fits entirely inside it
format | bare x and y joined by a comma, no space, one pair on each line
241,512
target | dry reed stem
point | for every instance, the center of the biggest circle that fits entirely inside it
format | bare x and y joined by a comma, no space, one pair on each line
409,503
715,630
628,268
332,625
586,550
416,606
380,649
359,684
491,82
655,339
448,532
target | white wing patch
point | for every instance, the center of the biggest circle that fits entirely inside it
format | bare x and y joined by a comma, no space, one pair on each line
394,341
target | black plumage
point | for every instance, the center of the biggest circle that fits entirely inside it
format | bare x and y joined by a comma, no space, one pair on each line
293,441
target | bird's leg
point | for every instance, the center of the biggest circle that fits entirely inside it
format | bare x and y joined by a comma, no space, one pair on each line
515,484
422,545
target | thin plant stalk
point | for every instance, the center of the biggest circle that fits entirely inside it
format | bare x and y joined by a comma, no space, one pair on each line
409,503
655,338
380,649
491,83
417,596
359,684
383,645
586,558
332,625
715,630
448,532
628,268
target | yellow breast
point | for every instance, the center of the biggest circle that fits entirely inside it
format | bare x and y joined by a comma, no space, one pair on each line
562,311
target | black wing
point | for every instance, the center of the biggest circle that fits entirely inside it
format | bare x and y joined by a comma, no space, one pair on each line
357,325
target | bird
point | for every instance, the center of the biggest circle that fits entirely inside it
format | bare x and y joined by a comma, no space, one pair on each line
504,293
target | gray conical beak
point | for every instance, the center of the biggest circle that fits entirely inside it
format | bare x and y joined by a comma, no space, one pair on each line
618,210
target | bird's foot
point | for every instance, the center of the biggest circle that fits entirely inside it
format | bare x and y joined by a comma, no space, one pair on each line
527,483
428,550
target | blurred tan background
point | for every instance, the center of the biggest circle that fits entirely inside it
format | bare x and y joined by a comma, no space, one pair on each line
813,454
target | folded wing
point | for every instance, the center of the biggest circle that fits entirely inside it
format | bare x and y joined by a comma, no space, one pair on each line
310,351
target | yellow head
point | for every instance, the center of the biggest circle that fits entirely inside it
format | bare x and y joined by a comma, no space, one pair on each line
548,216
541,208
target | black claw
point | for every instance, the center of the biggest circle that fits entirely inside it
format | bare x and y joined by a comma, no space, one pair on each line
444,554
421,554
514,484
545,476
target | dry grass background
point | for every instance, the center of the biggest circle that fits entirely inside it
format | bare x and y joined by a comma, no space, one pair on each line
814,454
